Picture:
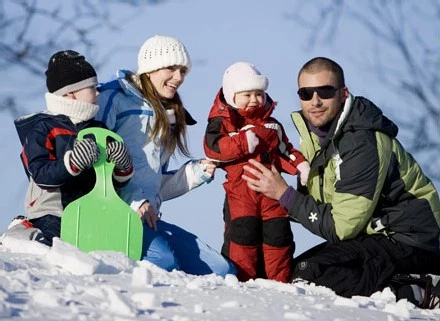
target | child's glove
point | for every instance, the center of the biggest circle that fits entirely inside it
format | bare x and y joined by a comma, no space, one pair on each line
118,153
252,141
204,170
84,154
304,170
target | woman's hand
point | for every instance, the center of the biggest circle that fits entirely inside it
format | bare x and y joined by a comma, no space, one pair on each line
269,181
149,214
208,166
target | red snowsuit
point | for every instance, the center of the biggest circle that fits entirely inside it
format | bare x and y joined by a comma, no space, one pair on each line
256,227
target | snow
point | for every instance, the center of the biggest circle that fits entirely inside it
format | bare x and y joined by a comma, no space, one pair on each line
63,283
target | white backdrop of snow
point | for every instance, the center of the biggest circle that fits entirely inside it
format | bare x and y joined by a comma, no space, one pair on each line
63,283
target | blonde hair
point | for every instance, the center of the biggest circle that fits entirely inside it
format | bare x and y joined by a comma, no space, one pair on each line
171,137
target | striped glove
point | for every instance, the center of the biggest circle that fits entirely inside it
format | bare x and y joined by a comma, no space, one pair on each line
84,154
118,153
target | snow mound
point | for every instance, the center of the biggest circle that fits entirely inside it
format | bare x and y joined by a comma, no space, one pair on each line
63,283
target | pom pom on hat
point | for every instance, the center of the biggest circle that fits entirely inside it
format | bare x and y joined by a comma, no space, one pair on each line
242,76
68,71
161,52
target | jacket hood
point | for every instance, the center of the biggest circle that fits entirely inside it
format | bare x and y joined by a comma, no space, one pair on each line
24,124
128,87
361,113
221,108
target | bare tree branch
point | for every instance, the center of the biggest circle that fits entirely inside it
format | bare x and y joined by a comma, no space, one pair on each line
60,25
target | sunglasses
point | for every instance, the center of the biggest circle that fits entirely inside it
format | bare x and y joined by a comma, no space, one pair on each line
325,92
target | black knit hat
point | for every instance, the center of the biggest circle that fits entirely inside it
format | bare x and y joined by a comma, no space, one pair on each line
69,71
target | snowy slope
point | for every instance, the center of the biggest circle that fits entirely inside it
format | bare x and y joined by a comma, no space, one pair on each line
63,283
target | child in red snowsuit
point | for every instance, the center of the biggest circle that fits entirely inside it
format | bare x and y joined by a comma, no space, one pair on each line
257,236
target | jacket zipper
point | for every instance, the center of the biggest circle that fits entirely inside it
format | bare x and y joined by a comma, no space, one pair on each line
321,182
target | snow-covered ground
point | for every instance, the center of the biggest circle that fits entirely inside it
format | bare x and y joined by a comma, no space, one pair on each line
63,283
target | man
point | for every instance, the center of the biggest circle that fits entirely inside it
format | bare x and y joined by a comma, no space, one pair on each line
365,195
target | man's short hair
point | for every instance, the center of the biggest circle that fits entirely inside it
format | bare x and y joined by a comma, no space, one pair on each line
318,64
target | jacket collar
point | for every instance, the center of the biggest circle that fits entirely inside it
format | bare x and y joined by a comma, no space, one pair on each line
128,87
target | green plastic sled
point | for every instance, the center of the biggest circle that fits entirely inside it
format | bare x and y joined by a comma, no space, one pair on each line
101,220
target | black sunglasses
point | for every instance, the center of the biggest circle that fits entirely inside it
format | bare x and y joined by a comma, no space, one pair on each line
325,92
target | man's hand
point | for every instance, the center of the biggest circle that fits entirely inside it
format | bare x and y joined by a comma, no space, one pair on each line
268,182
148,214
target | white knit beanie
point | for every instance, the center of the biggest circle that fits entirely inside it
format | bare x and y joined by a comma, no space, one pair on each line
161,52
242,76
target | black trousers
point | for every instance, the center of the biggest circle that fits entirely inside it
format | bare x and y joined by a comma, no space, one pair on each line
363,265
49,225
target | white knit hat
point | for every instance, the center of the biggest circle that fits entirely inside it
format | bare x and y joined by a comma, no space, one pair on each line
161,52
242,76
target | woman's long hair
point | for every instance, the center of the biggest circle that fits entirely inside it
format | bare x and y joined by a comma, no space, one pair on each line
171,136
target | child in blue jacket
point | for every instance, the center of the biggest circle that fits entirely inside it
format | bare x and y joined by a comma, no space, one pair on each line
59,166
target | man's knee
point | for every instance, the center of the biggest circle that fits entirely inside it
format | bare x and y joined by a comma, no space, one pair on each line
306,270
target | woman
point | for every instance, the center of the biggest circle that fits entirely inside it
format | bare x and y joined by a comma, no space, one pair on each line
145,109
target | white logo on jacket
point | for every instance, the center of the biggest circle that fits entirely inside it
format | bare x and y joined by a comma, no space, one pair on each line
313,217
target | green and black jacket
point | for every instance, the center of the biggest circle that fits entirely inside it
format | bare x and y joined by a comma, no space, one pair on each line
362,181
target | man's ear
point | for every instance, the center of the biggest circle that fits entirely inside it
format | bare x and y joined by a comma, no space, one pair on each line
345,93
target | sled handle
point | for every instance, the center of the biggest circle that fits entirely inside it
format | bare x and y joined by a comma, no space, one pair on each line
103,169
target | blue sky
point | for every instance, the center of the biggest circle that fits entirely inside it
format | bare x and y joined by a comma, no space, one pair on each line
216,34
